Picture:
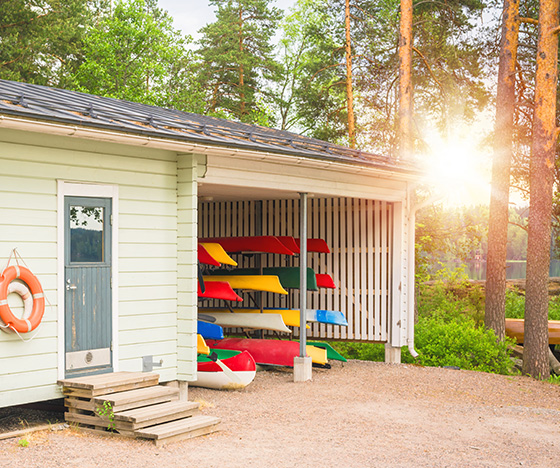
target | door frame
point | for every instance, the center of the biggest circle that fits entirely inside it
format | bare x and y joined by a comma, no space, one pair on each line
81,189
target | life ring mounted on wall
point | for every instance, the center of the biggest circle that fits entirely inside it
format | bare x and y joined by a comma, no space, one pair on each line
34,311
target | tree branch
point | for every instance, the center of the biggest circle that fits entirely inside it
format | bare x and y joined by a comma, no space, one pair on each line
11,25
522,19
428,67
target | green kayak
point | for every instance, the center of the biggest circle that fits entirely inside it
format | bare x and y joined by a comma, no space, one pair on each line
288,276
221,353
331,352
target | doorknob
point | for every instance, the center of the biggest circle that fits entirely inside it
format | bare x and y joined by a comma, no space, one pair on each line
70,286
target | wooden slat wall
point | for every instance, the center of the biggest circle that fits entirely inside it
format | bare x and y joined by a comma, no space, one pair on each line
359,234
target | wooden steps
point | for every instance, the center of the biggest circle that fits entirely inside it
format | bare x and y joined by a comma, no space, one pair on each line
179,430
130,399
132,404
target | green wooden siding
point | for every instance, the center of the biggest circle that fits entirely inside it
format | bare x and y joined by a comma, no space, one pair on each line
147,252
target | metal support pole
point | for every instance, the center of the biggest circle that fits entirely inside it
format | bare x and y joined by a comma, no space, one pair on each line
303,274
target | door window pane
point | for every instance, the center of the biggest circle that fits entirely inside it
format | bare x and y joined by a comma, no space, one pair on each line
86,234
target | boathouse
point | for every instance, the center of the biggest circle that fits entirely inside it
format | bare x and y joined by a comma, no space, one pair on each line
103,201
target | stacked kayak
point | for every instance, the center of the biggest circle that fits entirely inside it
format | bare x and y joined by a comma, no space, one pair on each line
225,364
241,370
270,352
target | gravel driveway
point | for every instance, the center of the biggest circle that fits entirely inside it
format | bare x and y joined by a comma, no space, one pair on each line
360,414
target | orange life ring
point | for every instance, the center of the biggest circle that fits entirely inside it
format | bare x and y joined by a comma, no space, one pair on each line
25,324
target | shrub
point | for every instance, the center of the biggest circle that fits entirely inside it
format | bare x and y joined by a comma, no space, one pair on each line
515,304
461,343
452,299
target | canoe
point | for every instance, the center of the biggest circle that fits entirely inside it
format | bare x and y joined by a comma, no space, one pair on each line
325,281
217,252
210,330
313,245
211,375
289,316
266,283
331,352
271,352
218,290
515,328
288,276
205,257
201,346
257,244
333,317
272,322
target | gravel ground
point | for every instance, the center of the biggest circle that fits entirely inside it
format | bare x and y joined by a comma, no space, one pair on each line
360,414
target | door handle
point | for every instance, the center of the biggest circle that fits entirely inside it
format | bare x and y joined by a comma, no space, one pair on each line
70,286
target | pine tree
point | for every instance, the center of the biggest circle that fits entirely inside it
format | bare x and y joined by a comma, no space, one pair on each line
543,161
503,147
237,59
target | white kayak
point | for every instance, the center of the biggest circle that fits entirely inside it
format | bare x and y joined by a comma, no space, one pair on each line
272,322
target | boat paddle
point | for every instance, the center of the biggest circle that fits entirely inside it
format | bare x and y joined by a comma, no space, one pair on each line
232,375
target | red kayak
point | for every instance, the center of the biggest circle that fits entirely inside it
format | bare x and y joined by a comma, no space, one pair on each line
270,352
211,375
325,281
218,290
267,352
205,257
313,245
261,244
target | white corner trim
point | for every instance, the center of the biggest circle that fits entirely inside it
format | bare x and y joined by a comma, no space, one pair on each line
87,190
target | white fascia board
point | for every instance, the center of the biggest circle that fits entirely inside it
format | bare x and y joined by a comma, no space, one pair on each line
19,123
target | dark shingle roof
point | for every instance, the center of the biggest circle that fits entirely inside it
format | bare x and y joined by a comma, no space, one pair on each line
70,107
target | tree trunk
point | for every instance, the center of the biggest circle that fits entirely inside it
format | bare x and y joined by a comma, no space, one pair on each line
241,69
501,168
535,362
349,92
405,81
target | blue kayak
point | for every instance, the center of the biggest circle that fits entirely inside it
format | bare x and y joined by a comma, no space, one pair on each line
334,317
210,331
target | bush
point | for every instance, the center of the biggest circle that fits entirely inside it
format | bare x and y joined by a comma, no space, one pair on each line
461,343
450,330
453,299
515,305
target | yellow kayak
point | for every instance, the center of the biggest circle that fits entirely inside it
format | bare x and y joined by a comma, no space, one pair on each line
218,253
317,355
289,316
201,346
266,283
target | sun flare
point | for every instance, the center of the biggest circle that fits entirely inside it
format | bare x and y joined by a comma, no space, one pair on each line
459,172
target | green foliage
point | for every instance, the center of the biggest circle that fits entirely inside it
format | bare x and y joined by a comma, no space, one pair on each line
237,60
23,442
515,305
449,331
135,54
554,379
41,40
459,342
451,296
106,412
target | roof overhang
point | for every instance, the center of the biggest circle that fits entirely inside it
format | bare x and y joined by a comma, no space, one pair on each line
181,146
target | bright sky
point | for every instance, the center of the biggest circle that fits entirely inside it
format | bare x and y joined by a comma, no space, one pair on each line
191,15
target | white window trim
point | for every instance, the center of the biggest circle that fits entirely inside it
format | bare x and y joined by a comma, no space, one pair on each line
87,190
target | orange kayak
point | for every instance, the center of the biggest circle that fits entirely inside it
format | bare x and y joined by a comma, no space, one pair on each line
515,328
